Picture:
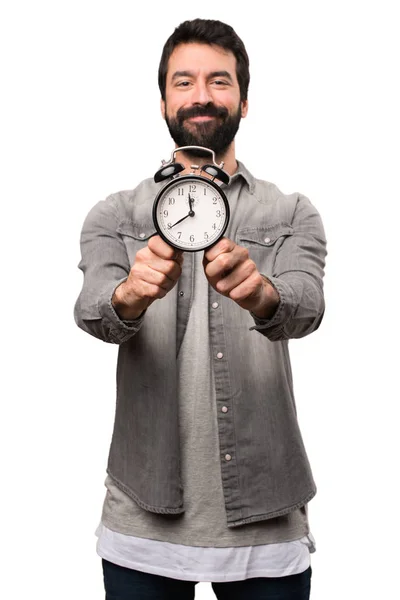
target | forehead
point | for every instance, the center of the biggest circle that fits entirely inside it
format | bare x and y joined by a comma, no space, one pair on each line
201,59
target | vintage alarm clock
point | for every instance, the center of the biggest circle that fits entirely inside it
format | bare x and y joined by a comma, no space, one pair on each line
191,212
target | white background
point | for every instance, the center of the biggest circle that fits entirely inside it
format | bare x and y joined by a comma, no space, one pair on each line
80,120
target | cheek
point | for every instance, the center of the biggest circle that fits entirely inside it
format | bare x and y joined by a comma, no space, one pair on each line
171,107
232,103
162,107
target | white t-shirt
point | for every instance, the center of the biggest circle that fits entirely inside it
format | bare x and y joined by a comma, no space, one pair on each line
192,563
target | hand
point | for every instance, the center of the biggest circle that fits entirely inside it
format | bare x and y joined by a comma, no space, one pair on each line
154,273
233,274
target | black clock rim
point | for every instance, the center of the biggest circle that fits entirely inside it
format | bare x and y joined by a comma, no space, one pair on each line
195,178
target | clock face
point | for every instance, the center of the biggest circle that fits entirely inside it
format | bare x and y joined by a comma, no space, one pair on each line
191,213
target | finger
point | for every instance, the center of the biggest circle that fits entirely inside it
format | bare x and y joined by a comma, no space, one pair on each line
146,289
157,271
147,257
163,250
160,279
226,262
179,257
153,285
222,246
247,292
169,268
235,278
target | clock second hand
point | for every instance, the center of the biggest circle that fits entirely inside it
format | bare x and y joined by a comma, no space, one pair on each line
190,213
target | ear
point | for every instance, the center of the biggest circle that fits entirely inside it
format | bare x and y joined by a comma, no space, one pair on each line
245,108
162,106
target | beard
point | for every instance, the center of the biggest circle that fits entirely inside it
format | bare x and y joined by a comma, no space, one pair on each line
217,134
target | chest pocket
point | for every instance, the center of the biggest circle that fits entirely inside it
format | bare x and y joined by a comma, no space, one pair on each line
135,237
263,243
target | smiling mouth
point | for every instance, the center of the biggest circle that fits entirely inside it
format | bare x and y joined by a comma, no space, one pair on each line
203,119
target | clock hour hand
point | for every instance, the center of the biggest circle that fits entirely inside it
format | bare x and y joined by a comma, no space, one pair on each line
191,200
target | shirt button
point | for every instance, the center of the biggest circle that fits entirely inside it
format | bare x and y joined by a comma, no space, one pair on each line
228,457
215,305
181,293
220,355
267,240
224,409
142,235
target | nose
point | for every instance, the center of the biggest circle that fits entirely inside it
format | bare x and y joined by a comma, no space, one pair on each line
201,94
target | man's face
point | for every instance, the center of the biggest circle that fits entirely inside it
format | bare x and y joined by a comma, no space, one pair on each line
202,106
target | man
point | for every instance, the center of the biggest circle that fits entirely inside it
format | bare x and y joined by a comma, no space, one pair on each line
208,478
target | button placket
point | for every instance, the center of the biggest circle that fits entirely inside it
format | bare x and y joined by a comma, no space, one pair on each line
184,298
223,396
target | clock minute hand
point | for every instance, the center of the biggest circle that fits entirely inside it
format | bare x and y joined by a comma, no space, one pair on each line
190,213
180,220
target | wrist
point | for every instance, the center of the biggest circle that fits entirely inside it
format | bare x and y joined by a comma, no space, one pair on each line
269,301
126,308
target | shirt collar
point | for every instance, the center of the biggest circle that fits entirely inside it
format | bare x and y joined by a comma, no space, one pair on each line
245,174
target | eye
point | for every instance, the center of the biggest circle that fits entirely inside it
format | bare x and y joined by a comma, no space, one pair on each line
220,82
183,84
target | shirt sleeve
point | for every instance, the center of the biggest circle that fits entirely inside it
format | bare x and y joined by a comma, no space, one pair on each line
298,278
105,265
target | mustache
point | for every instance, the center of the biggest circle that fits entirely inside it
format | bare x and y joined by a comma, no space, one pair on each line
210,110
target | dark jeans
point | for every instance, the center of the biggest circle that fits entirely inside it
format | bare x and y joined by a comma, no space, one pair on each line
127,584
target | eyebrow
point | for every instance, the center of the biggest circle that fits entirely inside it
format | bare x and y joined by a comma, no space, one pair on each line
210,76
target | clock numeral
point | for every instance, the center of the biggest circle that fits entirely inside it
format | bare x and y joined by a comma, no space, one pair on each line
206,236
171,201
192,238
169,225
165,213
192,188
180,191
214,226
205,191
215,200
218,213
179,235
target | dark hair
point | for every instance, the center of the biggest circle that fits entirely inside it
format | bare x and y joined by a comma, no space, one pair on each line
207,31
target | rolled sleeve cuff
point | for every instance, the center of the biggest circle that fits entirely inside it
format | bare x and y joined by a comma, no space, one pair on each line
119,330
274,327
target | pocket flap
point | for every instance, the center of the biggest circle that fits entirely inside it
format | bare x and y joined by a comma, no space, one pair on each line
141,232
265,236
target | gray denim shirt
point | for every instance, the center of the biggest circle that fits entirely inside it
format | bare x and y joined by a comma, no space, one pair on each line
264,466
